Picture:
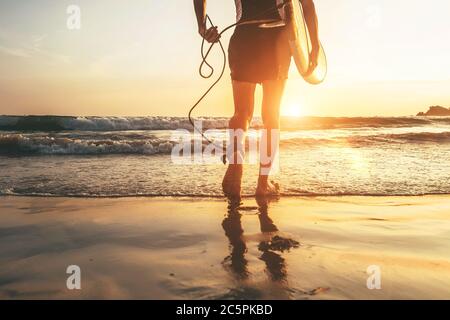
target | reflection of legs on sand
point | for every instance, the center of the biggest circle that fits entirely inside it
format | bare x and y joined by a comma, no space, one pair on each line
271,249
275,263
266,223
236,261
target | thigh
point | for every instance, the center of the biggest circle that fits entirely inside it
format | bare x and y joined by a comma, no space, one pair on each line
272,94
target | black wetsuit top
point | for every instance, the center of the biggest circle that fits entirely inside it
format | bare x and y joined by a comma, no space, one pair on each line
256,9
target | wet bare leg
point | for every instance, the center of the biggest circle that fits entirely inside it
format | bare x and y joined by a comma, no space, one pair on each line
266,187
243,93
231,183
273,92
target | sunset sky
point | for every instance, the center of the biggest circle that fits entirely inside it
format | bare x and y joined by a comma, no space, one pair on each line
141,57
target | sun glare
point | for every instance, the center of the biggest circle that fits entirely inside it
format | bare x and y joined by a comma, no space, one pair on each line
292,110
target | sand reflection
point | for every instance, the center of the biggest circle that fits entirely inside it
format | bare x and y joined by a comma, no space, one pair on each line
271,245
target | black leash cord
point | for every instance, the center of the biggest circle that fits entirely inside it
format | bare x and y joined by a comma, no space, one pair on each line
200,71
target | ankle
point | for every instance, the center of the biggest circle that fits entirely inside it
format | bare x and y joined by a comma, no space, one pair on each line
236,167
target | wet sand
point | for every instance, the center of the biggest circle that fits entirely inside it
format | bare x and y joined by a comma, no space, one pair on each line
169,248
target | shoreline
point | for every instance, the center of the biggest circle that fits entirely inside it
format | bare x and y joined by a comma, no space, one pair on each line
197,248
223,198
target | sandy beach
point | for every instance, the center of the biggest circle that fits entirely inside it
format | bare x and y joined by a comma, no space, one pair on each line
175,248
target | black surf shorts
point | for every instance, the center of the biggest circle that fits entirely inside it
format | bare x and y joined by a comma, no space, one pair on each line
259,54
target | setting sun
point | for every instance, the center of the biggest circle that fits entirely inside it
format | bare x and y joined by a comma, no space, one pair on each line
292,110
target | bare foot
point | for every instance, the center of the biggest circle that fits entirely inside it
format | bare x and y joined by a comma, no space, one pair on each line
267,188
231,183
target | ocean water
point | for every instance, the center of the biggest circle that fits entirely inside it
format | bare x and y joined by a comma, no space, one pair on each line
117,156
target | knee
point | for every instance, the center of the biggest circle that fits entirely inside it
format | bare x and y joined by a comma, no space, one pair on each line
241,120
271,122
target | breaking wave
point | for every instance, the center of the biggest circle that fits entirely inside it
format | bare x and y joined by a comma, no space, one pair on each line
62,123
46,145
141,144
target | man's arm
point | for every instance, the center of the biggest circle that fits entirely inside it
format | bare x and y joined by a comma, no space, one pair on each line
211,34
312,23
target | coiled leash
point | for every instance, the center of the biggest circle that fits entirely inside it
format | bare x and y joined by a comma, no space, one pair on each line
212,70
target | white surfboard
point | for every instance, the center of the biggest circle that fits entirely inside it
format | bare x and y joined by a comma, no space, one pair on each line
300,43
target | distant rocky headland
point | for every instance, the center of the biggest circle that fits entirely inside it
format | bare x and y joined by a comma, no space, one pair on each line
436,111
